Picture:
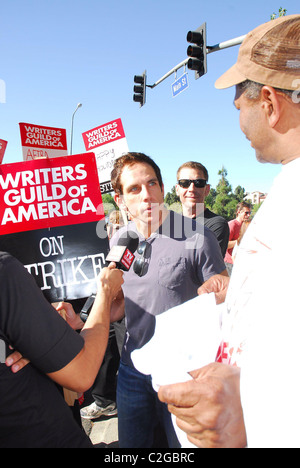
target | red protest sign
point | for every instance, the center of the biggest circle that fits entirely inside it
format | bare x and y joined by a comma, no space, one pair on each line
104,134
47,193
108,142
3,145
42,142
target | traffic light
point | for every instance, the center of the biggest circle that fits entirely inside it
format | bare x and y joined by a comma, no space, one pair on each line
197,51
140,89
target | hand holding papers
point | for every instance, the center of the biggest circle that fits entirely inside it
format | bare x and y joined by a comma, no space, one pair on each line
186,338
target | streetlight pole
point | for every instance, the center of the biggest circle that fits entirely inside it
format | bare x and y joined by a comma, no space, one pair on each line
78,105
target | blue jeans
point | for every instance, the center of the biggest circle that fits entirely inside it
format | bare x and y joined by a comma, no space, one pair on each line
139,411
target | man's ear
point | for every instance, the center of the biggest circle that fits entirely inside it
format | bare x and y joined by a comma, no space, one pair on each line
207,190
271,104
119,199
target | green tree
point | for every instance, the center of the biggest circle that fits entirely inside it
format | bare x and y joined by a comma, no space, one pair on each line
281,12
231,209
239,193
255,209
224,195
172,197
108,203
225,201
211,198
172,201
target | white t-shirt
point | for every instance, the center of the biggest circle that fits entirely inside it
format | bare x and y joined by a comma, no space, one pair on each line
261,326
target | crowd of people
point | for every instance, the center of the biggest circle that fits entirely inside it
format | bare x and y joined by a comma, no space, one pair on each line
248,397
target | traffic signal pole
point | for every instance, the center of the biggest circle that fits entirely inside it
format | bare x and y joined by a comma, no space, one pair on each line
226,44
140,88
180,65
209,50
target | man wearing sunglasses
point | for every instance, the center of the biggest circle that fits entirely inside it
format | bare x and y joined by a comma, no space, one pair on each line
172,262
192,188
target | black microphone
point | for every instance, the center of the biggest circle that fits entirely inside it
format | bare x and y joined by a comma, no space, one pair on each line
122,255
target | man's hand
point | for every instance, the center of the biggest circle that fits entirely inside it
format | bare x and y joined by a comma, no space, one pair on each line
111,280
208,408
65,309
217,284
16,362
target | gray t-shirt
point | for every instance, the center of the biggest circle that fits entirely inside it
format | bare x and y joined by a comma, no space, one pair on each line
179,258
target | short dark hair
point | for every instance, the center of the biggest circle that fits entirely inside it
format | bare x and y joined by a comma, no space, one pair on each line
242,205
194,165
252,90
129,159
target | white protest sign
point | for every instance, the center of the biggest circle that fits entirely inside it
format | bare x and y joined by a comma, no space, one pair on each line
42,142
107,142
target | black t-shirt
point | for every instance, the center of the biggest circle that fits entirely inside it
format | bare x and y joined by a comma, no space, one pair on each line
33,412
219,226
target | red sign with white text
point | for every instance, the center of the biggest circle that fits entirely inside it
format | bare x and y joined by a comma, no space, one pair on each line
127,259
107,133
3,145
42,142
48,193
108,142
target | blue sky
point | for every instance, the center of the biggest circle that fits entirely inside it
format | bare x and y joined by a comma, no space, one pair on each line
55,54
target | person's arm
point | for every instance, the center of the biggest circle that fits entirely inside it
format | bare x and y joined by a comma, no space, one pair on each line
17,362
118,308
217,284
233,234
79,375
208,408
231,244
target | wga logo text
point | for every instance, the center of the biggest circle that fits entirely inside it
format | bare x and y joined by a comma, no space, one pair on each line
2,92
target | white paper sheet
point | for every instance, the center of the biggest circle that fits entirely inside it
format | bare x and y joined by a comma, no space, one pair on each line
186,338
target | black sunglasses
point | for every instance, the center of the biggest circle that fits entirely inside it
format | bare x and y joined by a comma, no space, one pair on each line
185,183
140,263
